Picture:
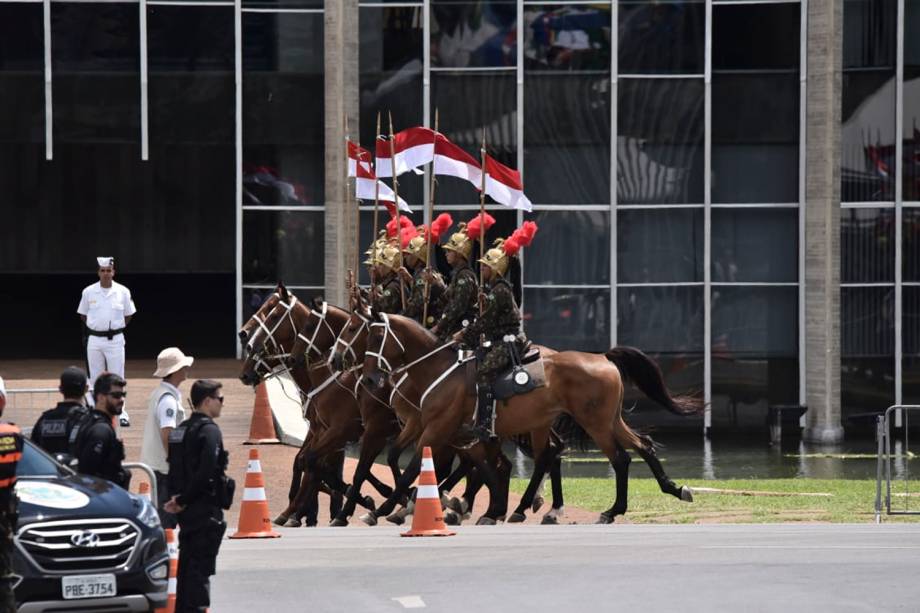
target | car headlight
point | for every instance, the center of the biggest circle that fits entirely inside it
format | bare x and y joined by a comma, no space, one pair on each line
148,513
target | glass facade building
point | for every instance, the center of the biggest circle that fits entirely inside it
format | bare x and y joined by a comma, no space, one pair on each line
661,142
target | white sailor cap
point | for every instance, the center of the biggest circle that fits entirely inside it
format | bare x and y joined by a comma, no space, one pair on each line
105,261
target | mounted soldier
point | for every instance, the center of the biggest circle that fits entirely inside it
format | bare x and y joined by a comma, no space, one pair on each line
458,304
497,332
424,295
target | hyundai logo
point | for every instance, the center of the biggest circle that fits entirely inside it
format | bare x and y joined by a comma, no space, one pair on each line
87,538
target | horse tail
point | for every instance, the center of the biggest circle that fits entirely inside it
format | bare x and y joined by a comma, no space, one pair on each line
638,368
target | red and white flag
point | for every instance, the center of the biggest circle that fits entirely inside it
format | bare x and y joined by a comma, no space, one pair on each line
364,188
504,185
451,160
357,155
413,147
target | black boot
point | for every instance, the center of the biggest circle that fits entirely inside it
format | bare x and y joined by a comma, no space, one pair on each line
485,413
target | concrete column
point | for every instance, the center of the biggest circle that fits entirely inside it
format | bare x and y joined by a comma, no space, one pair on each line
340,35
822,221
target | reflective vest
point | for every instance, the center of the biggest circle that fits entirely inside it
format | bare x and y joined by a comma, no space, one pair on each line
10,454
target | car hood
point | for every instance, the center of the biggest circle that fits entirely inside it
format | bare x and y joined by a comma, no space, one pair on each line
72,497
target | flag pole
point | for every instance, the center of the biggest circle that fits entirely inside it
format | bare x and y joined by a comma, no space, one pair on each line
482,214
430,222
348,199
402,288
373,276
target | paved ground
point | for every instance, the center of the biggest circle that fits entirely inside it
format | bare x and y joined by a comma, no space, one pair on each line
838,568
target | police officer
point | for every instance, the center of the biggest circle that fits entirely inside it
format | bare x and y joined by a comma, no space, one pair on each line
10,454
94,442
52,430
200,492
106,309
164,413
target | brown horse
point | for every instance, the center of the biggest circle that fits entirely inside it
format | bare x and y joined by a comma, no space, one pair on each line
544,446
330,403
588,387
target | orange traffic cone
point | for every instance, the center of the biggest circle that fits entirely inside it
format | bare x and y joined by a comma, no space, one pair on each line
262,426
254,519
428,519
144,489
173,547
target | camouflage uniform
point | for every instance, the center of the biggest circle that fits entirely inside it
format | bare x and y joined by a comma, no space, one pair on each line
415,304
500,318
458,302
387,298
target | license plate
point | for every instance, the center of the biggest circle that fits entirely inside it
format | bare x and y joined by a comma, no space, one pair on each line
88,586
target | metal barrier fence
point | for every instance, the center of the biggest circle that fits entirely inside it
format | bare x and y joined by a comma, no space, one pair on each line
883,469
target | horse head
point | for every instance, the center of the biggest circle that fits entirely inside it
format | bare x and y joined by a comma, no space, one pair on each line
322,327
267,305
269,346
352,340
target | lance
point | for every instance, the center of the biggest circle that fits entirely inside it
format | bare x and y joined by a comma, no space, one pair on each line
434,182
376,214
402,288
482,216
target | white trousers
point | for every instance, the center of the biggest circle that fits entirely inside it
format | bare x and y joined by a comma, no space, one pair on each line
104,355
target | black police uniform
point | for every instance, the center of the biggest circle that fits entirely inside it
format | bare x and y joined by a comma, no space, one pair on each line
197,477
10,454
52,430
98,450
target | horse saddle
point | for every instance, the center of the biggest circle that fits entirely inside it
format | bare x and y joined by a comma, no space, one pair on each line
520,378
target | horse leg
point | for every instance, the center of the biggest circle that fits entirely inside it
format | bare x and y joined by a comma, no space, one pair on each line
399,492
536,479
664,482
555,475
336,497
620,465
370,448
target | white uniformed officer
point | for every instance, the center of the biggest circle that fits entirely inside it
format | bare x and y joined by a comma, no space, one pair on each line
106,309
164,412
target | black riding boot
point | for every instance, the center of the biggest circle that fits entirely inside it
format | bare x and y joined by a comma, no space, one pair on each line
485,414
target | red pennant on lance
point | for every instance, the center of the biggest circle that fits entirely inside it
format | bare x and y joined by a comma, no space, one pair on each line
414,147
364,188
357,154
504,185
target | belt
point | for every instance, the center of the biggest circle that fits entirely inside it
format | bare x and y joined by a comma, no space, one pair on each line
109,334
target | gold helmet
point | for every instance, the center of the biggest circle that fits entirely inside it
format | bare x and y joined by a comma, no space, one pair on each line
418,246
378,244
498,258
388,256
462,241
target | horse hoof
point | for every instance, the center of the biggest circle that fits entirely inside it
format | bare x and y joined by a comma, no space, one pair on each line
311,524
369,503
485,521
516,518
538,502
291,523
445,501
369,518
280,520
451,518
338,523
686,494
604,519
396,518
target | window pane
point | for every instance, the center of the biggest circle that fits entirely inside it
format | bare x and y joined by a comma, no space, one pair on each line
659,246
563,319
253,297
661,319
283,155
744,388
22,94
659,37
468,102
764,36
390,66
755,245
866,245
660,141
755,322
911,335
473,34
570,248
283,246
911,237
96,78
867,348
567,37
867,134
911,125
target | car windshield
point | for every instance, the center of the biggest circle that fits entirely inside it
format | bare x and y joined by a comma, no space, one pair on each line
36,463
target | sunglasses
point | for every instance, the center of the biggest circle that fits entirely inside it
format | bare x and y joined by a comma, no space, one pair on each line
218,398
117,395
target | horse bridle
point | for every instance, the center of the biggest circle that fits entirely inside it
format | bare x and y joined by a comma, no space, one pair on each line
381,360
261,356
311,342
349,346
